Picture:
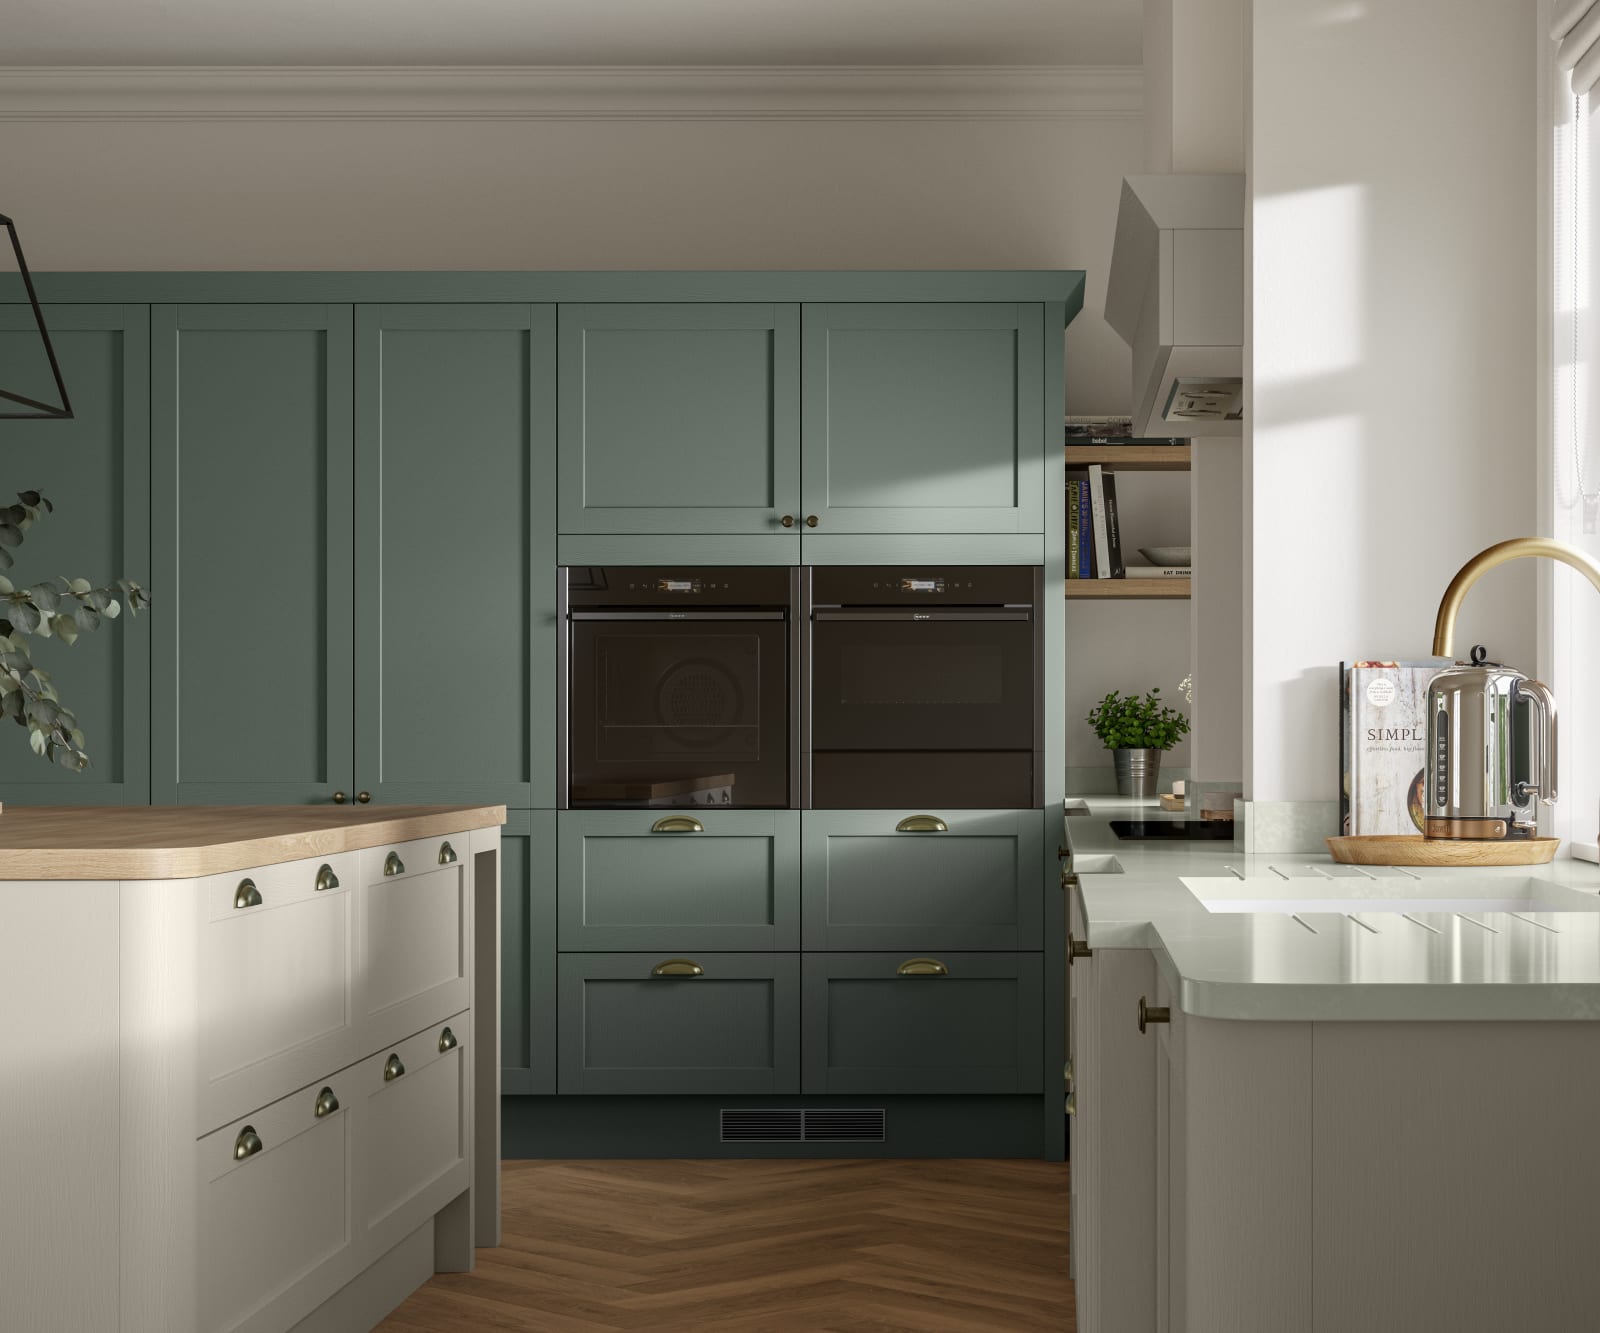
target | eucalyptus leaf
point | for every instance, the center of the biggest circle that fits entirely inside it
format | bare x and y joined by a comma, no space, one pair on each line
43,596
66,628
24,618
36,740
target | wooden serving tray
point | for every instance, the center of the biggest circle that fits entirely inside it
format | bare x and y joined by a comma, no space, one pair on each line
1415,850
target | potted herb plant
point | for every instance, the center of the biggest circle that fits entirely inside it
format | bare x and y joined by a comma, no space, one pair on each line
1137,731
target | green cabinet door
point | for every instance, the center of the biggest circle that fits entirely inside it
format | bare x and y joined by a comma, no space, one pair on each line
923,418
528,952
456,631
646,1023
95,469
883,1023
975,883
250,414
679,418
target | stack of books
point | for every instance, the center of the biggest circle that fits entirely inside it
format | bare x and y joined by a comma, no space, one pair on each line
1111,431
1094,536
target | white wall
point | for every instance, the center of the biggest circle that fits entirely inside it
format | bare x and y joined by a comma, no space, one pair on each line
1390,425
756,194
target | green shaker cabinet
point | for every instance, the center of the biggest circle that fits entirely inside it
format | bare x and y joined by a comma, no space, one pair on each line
925,418
251,517
953,1023
455,646
679,418
527,952
95,469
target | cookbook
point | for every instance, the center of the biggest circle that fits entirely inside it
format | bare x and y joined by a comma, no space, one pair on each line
1383,741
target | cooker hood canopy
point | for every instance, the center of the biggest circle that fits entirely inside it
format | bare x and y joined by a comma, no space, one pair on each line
1176,295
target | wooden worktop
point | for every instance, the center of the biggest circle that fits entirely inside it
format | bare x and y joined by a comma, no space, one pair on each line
181,841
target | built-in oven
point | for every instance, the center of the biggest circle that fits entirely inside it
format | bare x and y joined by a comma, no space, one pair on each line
679,687
925,687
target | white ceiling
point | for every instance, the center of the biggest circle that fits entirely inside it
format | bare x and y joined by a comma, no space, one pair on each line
571,32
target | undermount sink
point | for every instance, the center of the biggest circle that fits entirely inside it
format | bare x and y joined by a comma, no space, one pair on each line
1452,893
1096,865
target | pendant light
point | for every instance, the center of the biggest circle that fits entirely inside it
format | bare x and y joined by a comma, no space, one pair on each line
40,411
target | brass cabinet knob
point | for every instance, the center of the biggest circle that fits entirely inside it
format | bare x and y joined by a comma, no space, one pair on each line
248,1144
1066,1073
922,824
787,520
447,1041
922,967
447,854
1072,1103
362,797
247,895
326,1104
393,865
678,824
392,1069
326,879
811,520
1064,853
339,798
1149,1013
678,967
1077,948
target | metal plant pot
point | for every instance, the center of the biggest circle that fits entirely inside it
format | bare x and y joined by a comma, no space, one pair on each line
1138,772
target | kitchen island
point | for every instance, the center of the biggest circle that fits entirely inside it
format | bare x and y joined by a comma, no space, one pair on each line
1311,1096
254,1080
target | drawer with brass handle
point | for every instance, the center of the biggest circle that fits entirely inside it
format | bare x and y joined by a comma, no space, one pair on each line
413,945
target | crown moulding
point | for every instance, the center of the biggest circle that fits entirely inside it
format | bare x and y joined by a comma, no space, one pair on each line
327,93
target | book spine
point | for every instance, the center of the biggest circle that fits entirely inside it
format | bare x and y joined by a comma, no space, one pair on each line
1346,749
1157,572
1072,529
1113,536
1085,558
1097,508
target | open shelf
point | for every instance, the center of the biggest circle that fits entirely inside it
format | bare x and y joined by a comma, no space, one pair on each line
1167,589
1131,457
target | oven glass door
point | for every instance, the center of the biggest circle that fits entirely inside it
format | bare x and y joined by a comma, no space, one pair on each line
933,707
673,710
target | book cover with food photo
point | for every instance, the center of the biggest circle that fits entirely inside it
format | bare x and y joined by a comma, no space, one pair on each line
1383,739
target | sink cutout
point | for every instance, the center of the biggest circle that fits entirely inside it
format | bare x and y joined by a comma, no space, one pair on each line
1096,865
1356,893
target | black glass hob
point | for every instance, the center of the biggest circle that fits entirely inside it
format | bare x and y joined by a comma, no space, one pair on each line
1177,830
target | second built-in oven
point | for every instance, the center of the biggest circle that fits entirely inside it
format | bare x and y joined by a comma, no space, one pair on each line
925,687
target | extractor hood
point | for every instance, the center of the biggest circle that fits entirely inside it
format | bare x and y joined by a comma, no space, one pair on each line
1176,295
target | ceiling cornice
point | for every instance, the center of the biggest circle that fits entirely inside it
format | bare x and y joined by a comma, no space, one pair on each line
482,93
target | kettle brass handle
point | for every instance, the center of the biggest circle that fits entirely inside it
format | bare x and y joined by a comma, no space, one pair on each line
447,1041
247,894
326,1104
1149,1013
678,824
678,967
326,879
922,824
922,967
393,865
447,854
248,1144
393,1067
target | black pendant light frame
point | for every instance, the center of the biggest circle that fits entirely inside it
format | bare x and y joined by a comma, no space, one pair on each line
41,411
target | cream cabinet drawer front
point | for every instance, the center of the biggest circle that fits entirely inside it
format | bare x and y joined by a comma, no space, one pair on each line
275,1193
415,955
413,1150
401,859
275,982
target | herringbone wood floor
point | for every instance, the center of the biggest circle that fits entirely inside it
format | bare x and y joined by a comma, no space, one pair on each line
774,1246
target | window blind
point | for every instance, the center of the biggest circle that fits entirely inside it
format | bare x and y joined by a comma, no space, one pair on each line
1577,28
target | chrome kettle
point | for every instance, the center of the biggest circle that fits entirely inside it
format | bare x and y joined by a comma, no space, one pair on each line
1475,785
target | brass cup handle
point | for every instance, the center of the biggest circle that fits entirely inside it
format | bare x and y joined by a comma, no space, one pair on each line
678,967
922,967
1077,948
248,1144
339,798
393,865
326,879
326,1104
447,1041
787,520
1072,1103
922,824
247,895
393,1067
362,797
811,520
447,854
678,824
1150,1013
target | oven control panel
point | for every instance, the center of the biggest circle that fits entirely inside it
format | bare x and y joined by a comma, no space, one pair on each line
974,585
646,586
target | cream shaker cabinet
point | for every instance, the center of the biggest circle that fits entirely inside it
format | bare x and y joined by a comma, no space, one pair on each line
257,1107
